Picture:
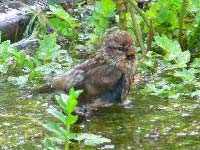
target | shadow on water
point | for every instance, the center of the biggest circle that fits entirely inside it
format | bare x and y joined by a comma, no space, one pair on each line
150,124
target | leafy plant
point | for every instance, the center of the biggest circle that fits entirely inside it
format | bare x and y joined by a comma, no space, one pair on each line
55,20
171,75
13,60
101,17
66,119
48,49
61,22
164,15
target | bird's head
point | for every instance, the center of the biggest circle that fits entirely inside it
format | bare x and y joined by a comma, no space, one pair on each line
118,48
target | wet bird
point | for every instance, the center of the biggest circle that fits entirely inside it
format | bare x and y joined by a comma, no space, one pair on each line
105,78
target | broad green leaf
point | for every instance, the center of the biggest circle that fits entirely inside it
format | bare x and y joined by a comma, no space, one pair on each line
61,100
59,12
48,49
71,119
100,18
171,48
186,75
173,51
72,100
60,132
182,59
60,116
66,25
164,15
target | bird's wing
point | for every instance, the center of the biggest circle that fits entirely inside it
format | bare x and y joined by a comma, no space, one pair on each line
75,76
100,79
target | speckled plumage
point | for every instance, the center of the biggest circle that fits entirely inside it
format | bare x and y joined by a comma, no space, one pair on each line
106,77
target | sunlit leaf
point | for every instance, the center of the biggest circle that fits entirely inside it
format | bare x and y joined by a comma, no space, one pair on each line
71,119
59,131
72,100
186,75
182,59
60,116
61,100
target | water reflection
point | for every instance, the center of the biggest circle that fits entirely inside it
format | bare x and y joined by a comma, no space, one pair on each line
150,124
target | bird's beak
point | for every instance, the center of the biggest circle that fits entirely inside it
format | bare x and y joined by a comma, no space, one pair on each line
131,54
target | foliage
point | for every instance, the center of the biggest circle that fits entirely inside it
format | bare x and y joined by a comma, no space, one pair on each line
171,75
61,22
13,60
164,15
23,68
55,20
63,130
177,19
48,49
171,72
101,17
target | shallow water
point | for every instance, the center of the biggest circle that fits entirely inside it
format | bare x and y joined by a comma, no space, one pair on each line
150,124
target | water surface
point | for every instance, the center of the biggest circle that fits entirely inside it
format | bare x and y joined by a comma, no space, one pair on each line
151,123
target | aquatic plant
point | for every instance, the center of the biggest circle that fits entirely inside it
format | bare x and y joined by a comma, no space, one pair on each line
62,130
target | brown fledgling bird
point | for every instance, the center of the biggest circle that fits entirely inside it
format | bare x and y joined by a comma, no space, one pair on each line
105,78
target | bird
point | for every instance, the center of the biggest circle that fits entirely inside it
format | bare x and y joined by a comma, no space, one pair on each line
105,78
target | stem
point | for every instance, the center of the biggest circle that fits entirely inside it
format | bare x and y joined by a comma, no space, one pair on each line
140,12
148,23
150,37
138,32
182,32
68,128
66,146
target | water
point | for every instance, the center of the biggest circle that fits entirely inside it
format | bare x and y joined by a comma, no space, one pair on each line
151,123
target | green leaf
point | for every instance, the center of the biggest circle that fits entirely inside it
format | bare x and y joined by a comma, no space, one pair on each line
72,100
5,49
164,15
62,22
60,132
100,18
61,100
60,116
182,59
196,63
71,119
186,75
173,51
171,48
48,49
